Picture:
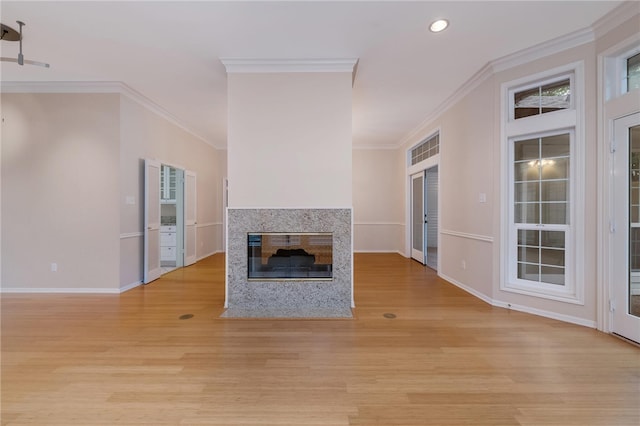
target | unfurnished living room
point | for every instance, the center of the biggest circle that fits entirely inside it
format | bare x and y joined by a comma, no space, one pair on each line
320,213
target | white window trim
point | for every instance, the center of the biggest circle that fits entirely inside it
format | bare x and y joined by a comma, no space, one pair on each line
615,69
554,122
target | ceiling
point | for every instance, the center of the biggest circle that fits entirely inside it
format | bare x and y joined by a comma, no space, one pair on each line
169,51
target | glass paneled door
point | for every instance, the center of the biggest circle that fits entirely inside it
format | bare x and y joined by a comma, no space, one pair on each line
418,218
625,228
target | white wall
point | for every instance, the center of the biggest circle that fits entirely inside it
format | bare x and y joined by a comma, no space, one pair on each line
377,201
466,170
69,162
289,140
60,155
471,164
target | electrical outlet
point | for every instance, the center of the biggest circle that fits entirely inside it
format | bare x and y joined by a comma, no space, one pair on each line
54,267
463,264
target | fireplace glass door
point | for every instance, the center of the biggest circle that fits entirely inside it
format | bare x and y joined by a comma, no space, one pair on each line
290,256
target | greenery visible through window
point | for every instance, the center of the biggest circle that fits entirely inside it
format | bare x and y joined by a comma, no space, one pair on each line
633,72
427,148
542,99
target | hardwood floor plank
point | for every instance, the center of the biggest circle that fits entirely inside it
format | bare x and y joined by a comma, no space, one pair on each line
447,358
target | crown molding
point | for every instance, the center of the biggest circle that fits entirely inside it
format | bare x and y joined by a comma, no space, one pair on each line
422,130
557,45
255,65
99,87
368,147
542,50
616,17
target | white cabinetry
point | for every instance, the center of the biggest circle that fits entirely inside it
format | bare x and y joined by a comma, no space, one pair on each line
168,183
168,243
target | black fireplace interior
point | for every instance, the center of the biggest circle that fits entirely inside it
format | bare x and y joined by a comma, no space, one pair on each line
293,256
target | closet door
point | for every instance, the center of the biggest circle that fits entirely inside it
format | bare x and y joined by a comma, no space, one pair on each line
189,218
152,269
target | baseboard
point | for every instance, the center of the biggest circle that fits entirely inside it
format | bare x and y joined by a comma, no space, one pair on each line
520,308
78,290
468,289
547,314
198,259
379,251
130,286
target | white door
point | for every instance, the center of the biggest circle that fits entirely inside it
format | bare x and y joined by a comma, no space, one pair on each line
189,218
625,270
418,218
431,217
152,269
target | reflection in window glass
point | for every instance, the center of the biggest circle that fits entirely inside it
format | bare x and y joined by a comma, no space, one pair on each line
541,256
633,72
541,180
542,99
541,197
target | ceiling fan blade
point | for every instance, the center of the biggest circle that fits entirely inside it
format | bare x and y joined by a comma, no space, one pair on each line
26,61
4,59
40,64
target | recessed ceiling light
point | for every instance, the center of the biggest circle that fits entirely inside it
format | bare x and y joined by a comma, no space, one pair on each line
439,25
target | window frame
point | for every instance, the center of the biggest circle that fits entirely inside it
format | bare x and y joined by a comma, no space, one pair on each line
424,141
615,72
551,123
538,286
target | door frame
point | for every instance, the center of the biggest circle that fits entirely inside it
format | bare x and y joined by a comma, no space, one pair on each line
410,171
619,286
611,106
190,220
182,171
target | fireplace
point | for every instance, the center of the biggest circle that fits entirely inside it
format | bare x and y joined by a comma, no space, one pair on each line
289,263
294,256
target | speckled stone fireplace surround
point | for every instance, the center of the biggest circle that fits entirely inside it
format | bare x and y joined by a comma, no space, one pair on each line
288,299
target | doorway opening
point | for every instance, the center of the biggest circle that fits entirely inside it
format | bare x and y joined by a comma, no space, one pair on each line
424,217
169,219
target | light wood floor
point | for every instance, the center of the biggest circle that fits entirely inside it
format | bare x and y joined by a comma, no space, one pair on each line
446,359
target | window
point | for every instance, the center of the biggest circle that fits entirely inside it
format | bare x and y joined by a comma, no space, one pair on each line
542,99
541,207
542,192
633,72
425,149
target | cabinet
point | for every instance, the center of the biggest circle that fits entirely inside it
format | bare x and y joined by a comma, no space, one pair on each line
168,244
168,183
